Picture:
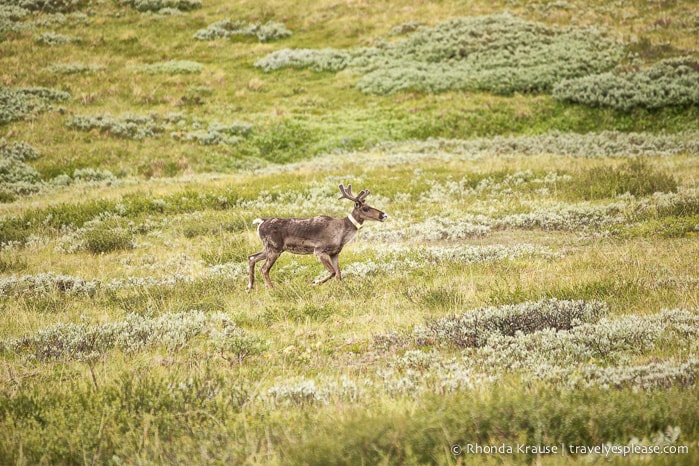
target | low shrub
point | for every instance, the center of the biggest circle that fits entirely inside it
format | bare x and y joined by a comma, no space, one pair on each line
498,53
172,67
226,28
49,6
127,126
46,283
235,345
107,239
104,234
157,5
74,68
84,342
217,134
90,175
53,39
662,375
671,82
474,328
10,19
17,104
16,177
590,145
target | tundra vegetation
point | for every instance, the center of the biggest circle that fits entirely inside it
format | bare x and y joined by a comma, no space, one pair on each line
536,283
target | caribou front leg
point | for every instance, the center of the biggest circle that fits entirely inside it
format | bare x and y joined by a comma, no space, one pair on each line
327,263
252,260
335,261
271,259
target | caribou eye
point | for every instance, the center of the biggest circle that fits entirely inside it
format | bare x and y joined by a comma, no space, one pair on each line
365,209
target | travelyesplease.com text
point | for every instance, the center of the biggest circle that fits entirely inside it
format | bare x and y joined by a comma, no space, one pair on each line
606,449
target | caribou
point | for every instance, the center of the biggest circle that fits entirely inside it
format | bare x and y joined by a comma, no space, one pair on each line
322,235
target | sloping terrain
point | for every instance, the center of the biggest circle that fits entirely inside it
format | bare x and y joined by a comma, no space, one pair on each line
533,296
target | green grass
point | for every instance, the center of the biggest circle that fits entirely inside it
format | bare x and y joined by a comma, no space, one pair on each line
126,332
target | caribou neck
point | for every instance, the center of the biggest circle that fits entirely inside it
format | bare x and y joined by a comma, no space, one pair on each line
357,224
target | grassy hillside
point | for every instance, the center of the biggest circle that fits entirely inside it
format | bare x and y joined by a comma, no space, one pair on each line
535,285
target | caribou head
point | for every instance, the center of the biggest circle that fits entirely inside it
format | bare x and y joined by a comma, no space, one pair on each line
362,211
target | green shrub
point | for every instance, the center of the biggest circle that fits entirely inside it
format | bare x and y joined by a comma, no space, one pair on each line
11,263
235,345
103,234
671,82
283,142
108,239
635,177
663,227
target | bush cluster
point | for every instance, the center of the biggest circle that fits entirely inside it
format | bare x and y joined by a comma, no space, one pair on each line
498,53
608,339
128,126
11,13
53,39
172,67
217,133
670,82
48,6
74,68
139,127
16,177
475,328
662,375
157,5
589,145
397,259
46,283
301,393
226,28
17,104
84,342
10,19
104,234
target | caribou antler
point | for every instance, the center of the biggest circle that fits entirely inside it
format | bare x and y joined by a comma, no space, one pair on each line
347,194
362,195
